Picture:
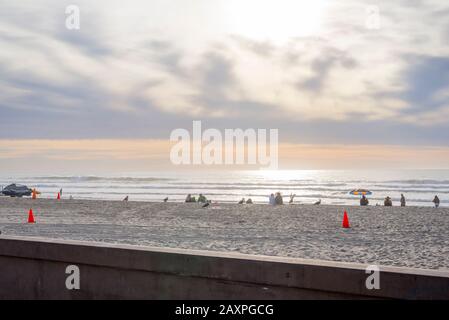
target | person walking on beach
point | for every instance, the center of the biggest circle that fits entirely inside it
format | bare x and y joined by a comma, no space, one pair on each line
436,201
402,200
272,200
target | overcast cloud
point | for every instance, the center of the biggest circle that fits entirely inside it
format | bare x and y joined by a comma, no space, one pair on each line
139,69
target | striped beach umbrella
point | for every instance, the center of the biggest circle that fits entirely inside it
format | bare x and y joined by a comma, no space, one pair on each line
361,192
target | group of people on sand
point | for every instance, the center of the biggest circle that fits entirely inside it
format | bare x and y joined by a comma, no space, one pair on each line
242,201
276,199
201,199
388,202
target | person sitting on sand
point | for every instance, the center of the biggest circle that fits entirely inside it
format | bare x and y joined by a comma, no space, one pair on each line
272,200
388,202
364,201
126,198
436,201
278,199
249,201
242,201
189,198
402,200
202,199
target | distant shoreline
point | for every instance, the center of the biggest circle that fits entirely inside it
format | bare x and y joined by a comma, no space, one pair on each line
296,203
331,186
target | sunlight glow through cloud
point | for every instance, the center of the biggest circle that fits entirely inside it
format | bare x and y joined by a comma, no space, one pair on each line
276,21
309,63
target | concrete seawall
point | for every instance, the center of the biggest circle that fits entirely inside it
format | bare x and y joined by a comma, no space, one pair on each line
35,268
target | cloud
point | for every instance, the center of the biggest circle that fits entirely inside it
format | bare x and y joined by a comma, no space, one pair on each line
322,66
118,155
262,48
427,81
146,69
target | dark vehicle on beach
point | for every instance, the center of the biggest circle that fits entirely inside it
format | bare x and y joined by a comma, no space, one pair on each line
17,190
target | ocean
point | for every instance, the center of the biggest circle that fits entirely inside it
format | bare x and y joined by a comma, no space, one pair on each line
331,186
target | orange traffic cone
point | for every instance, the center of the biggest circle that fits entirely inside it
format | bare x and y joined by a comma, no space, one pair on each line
345,220
31,217
59,196
34,196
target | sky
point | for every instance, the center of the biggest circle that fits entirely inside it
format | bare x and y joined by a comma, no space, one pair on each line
318,71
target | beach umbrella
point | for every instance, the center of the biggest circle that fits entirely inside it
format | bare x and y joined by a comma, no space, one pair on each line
361,192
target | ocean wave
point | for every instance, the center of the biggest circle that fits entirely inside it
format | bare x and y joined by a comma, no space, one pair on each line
409,190
96,178
108,185
261,184
417,181
267,189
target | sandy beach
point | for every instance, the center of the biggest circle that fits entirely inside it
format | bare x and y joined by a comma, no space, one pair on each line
411,236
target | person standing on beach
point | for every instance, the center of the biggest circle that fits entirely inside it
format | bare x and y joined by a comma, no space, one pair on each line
402,200
436,201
